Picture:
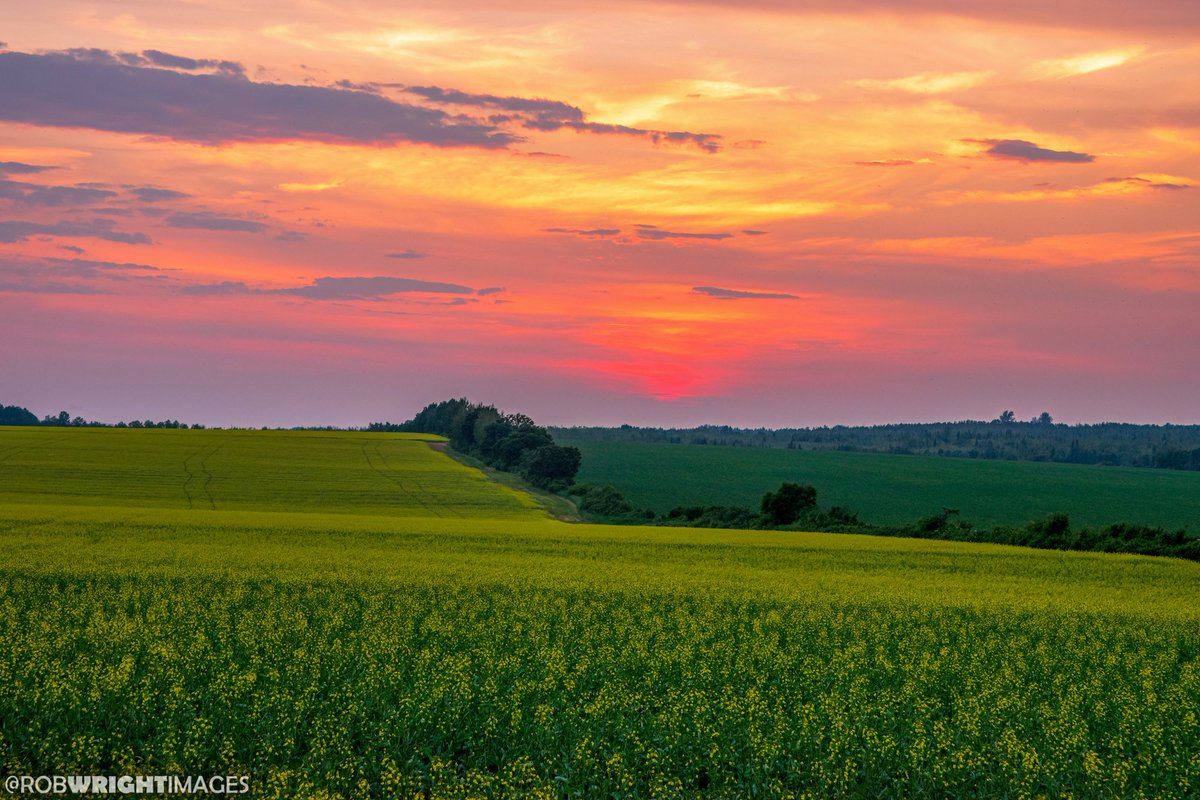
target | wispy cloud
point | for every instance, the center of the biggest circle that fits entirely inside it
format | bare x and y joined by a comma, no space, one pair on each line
658,234
153,194
20,231
553,115
927,82
369,288
17,168
737,294
589,232
32,194
208,221
1055,68
408,254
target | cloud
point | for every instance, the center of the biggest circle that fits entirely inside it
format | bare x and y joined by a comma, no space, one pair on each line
593,232
554,115
151,194
648,232
68,276
409,253
1156,182
368,288
928,82
222,288
17,168
19,231
754,233
1083,64
32,194
161,59
291,236
490,290
1020,150
208,221
735,294
543,109
892,162
112,92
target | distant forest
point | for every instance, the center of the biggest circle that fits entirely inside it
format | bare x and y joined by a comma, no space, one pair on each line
16,415
1040,439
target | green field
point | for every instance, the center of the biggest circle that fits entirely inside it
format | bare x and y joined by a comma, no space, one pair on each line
375,648
892,489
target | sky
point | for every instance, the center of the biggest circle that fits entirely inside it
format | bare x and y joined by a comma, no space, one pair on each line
766,213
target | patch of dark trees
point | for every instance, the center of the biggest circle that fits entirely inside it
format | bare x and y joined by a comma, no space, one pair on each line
16,415
793,507
1005,438
508,442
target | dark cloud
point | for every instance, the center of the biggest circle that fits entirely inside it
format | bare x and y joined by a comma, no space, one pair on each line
208,221
547,109
70,248
86,268
152,194
19,231
114,92
735,294
17,168
657,234
490,290
409,253
1020,150
368,288
222,288
594,232
32,194
553,115
754,233
161,59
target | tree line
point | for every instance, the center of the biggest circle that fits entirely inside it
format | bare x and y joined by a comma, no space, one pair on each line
794,506
16,415
508,442
1006,438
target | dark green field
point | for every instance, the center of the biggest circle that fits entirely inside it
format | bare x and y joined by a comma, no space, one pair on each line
891,489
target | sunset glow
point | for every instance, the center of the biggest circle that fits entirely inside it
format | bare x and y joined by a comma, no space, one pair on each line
661,213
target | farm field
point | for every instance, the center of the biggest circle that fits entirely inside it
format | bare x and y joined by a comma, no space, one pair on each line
894,489
357,652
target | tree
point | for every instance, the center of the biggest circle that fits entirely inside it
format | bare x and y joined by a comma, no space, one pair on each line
1007,418
16,415
787,504
551,467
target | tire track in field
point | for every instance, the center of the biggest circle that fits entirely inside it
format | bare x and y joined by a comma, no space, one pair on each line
394,478
417,483
200,474
208,476
22,448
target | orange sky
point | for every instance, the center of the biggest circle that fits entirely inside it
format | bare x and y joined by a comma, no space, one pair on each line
669,213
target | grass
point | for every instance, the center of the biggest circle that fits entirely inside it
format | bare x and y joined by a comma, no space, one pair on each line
374,649
892,489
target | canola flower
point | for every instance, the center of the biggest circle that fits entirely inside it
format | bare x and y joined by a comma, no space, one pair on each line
335,655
